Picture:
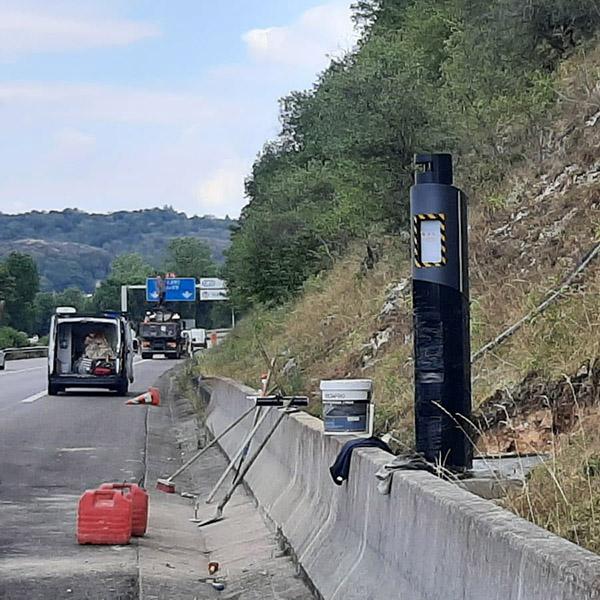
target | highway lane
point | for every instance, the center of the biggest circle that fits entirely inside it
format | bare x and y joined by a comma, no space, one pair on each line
51,450
20,380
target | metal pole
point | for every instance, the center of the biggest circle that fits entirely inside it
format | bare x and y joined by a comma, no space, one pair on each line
124,289
251,460
211,444
237,456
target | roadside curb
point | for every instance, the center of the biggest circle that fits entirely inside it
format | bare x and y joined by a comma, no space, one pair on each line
170,557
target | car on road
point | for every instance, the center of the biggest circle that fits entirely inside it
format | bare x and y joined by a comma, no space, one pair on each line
2,360
195,340
89,351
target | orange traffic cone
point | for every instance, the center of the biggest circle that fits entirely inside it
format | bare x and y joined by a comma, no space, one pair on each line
152,396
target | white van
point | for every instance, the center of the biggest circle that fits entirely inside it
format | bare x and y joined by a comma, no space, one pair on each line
89,351
195,339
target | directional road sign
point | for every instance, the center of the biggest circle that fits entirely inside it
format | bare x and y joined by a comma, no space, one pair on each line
177,289
212,283
213,295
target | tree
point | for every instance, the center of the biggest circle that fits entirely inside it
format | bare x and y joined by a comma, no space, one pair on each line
107,296
7,290
126,269
130,269
72,297
190,257
44,306
11,338
463,76
20,308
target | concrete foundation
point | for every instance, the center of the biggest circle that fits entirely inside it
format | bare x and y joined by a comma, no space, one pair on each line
427,540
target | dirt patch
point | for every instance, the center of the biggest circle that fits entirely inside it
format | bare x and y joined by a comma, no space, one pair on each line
527,417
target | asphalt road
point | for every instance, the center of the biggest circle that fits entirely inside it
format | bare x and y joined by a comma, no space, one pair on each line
51,450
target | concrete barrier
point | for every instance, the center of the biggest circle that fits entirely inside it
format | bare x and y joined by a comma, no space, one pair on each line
426,540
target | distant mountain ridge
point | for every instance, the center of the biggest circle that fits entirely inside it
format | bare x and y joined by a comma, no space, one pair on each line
75,248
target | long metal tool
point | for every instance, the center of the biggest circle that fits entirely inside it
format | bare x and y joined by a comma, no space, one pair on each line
167,485
245,447
219,512
266,381
237,456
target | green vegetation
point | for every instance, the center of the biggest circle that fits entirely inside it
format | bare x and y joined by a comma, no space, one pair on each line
24,310
470,77
20,284
187,257
190,256
11,338
75,249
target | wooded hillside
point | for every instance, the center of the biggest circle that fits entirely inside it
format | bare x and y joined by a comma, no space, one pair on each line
74,249
469,77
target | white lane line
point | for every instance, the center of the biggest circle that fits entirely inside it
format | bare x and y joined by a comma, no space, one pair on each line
23,370
34,397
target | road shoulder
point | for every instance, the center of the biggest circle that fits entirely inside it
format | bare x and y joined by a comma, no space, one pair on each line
174,556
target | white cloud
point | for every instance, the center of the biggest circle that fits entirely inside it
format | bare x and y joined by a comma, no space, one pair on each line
320,32
72,144
105,103
223,191
106,147
31,31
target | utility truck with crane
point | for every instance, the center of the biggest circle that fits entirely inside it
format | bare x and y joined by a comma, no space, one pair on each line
161,333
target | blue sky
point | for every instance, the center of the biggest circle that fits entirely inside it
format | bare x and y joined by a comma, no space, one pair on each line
125,104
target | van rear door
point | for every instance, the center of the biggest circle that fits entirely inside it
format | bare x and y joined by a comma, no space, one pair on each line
52,346
129,352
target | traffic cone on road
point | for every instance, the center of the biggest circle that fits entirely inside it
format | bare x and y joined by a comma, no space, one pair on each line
152,396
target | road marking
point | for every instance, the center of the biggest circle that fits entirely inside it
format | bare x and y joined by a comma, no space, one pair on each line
23,370
34,397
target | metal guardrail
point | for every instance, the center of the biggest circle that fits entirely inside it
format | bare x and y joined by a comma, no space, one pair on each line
26,350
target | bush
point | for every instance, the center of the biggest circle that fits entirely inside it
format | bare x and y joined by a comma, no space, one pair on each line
11,338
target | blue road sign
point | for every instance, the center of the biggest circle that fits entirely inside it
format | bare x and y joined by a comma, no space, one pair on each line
177,289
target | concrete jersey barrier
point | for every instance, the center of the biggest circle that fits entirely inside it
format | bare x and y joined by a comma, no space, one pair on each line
427,540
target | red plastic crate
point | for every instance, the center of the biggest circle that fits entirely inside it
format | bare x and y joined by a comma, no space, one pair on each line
104,517
139,502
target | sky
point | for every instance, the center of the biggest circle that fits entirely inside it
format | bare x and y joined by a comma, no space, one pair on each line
125,104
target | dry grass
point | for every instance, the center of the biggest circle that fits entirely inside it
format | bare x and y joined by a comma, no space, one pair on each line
322,335
563,495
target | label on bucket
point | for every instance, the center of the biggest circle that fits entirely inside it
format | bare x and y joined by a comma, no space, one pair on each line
346,417
345,395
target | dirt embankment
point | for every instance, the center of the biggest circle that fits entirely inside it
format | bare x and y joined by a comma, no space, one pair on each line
528,417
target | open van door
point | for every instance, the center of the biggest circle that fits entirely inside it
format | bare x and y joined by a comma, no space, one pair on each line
52,346
129,352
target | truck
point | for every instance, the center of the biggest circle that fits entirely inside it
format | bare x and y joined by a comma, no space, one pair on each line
89,351
161,333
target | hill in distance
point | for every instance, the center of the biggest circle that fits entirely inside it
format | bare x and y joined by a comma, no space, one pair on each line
75,248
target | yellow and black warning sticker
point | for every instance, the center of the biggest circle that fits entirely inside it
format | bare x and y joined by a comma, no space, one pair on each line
429,238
